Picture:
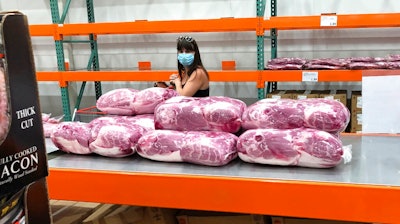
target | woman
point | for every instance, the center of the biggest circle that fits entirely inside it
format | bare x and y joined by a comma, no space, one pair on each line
192,79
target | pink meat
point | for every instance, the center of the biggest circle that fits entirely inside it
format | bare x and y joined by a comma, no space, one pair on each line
127,101
290,147
48,129
72,137
5,110
115,140
146,100
198,147
212,113
146,121
118,101
323,114
161,145
49,124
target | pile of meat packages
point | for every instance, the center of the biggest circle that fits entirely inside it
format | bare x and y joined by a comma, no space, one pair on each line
162,126
288,63
194,130
159,125
290,132
130,114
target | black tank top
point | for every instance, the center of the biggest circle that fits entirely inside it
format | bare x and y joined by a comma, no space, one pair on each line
201,93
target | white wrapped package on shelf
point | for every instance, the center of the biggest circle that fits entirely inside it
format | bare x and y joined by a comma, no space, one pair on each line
199,147
292,147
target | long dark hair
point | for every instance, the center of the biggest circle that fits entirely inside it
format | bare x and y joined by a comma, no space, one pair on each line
189,44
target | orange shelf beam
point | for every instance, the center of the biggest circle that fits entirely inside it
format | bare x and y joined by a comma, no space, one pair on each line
151,75
343,21
349,202
43,29
215,76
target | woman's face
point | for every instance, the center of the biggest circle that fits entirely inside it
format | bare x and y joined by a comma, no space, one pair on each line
184,51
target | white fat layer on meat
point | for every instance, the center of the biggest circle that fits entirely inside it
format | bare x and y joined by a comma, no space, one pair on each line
175,99
148,124
272,161
73,146
326,108
308,160
172,157
110,152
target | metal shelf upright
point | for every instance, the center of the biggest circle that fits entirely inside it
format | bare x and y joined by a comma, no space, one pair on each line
93,64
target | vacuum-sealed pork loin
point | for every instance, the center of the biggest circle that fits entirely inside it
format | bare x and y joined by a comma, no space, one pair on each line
127,101
318,113
214,113
291,147
117,136
5,109
199,147
72,137
115,139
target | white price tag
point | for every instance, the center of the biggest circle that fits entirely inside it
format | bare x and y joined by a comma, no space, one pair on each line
309,77
328,20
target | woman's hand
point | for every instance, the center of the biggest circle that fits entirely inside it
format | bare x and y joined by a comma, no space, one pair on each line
175,80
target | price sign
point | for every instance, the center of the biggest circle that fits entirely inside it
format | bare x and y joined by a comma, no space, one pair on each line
309,76
328,20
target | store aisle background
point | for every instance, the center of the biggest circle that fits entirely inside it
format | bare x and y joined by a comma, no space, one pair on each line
122,52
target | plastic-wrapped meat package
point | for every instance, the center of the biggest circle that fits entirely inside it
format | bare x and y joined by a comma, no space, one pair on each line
146,121
291,147
146,100
49,124
114,137
126,101
214,113
117,101
72,137
198,147
322,114
5,109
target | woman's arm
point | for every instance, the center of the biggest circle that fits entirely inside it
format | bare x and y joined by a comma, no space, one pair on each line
195,82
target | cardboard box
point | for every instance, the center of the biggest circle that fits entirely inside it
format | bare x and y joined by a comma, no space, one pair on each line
356,101
279,94
356,121
285,220
23,157
204,217
295,93
339,95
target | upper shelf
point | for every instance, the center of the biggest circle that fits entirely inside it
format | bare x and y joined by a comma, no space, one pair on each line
257,24
343,21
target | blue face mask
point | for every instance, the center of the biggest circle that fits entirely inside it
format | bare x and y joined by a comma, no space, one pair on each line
185,59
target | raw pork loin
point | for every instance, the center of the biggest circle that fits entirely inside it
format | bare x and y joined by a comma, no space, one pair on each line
72,137
115,136
198,147
290,147
49,124
214,113
128,101
322,114
117,101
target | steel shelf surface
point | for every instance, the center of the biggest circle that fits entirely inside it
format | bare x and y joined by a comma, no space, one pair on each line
367,189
